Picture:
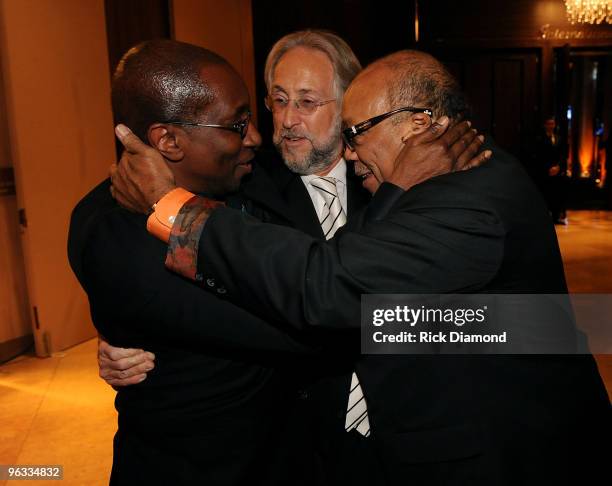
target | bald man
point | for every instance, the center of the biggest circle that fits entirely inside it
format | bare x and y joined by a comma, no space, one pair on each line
435,420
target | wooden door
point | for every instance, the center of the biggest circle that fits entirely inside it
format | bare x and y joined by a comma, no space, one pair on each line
55,67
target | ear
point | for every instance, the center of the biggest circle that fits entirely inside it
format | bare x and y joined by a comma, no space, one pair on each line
164,139
418,123
421,121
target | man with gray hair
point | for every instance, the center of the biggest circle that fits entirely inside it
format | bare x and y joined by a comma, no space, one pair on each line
315,67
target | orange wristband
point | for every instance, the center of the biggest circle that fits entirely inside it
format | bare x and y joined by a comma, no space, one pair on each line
165,211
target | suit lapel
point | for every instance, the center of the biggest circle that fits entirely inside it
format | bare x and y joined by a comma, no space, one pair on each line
282,194
305,216
262,190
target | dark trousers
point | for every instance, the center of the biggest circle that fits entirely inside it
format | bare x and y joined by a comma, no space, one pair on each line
556,196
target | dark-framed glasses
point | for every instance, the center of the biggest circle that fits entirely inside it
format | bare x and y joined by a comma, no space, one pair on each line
305,105
240,127
348,134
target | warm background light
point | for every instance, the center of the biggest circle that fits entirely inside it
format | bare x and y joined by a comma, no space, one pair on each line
589,11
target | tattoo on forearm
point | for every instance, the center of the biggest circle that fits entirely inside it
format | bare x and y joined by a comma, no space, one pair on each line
182,256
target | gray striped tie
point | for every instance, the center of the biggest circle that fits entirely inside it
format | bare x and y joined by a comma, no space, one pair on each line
332,218
357,411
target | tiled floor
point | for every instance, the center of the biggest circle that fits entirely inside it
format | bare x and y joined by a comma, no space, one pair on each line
57,410
586,246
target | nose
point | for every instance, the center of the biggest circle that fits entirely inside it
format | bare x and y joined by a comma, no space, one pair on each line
253,137
290,115
350,154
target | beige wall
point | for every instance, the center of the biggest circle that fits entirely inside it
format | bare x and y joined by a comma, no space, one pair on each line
14,309
56,77
5,149
223,26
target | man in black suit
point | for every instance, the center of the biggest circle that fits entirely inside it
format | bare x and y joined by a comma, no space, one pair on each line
435,420
209,412
306,74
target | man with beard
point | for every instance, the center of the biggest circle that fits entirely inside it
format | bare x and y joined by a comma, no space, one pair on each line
306,74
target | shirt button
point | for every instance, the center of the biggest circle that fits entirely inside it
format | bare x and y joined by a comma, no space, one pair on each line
221,290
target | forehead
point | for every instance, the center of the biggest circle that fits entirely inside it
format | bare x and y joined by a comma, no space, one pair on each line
304,70
365,97
230,92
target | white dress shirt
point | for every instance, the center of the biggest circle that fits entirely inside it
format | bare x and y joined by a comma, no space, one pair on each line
338,173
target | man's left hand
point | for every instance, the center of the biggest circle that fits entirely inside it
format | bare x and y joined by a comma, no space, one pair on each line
123,367
142,177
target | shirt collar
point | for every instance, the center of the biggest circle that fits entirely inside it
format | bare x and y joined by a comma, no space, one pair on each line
338,173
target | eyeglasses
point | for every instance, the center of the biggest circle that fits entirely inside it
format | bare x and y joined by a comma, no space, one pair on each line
348,134
240,127
305,106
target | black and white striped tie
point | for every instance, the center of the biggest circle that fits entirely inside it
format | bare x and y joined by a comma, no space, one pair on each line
332,218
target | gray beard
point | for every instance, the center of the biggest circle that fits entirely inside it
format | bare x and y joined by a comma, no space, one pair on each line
317,160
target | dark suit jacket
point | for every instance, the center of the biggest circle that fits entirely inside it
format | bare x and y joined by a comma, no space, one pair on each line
314,441
209,410
435,420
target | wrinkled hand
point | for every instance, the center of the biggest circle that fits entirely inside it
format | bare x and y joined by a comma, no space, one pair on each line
437,151
121,366
142,177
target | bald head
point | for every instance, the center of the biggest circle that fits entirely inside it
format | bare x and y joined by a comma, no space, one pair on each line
379,107
161,80
413,78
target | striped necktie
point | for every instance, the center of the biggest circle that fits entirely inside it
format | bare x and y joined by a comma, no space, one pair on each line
332,218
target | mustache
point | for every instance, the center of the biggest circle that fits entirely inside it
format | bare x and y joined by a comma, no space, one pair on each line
361,169
284,133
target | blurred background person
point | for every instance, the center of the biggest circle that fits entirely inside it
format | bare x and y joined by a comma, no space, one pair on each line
551,169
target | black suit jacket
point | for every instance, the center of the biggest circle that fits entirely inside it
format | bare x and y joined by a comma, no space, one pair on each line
314,441
209,409
436,420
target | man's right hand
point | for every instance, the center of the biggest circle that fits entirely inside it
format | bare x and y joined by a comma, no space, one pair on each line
122,366
142,177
